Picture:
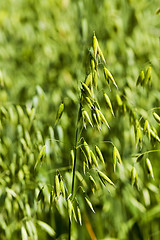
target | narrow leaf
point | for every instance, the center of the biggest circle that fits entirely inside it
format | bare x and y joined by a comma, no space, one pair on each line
95,79
92,65
101,54
157,11
62,187
31,228
79,215
141,78
149,167
157,117
88,101
86,117
104,178
116,152
97,115
99,154
84,167
41,155
57,186
70,209
95,45
24,233
74,214
102,117
148,75
114,159
88,81
108,76
40,195
46,228
72,157
87,151
86,158
89,204
95,120
93,183
119,100
154,135
108,102
59,113
133,175
147,128
94,159
85,89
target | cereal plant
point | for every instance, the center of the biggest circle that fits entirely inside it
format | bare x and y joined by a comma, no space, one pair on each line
79,119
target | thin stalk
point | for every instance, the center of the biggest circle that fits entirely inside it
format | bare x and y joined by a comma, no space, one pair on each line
74,170
75,159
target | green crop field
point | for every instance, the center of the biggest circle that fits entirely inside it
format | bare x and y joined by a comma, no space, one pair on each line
79,120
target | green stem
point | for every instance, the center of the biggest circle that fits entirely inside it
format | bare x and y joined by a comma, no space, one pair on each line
150,151
74,165
74,170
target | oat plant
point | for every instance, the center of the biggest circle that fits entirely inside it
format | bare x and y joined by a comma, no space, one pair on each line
64,178
91,162
88,161
90,168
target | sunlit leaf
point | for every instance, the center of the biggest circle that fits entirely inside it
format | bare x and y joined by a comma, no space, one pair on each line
46,228
89,204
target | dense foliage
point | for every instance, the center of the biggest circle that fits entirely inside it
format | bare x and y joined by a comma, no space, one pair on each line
46,54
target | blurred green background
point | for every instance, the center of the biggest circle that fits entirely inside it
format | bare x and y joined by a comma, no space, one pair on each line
43,58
